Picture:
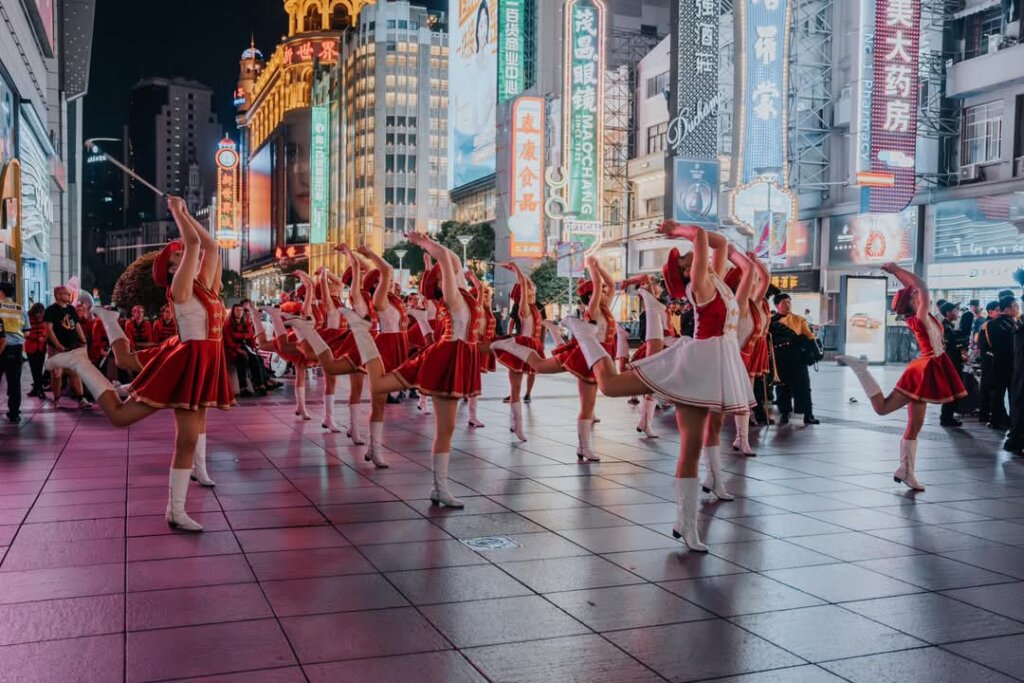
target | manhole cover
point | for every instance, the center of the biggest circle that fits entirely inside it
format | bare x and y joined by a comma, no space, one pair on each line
490,543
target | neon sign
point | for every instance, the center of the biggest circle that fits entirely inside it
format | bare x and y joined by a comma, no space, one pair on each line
325,50
583,102
511,48
694,130
227,210
526,211
320,172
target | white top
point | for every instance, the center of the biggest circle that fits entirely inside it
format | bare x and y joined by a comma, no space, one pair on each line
431,310
526,322
390,320
460,323
935,335
745,328
420,316
192,320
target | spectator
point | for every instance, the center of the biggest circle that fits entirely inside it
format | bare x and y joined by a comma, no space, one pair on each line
239,345
956,350
139,330
996,341
165,326
12,344
63,333
790,333
35,349
967,319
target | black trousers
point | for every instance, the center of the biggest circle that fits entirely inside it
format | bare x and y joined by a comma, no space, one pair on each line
35,365
949,409
984,399
793,395
11,360
999,386
251,364
762,394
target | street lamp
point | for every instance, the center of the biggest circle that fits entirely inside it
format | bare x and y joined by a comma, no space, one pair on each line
465,240
400,253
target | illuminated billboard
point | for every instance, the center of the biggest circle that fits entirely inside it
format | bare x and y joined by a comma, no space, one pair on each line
894,99
865,310
583,102
512,29
789,245
324,50
873,239
320,173
472,90
260,231
228,208
694,130
526,205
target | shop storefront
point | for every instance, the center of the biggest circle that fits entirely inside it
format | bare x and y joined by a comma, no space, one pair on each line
10,186
37,212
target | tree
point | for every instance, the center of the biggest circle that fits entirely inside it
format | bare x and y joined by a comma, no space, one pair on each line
412,261
480,248
551,289
136,286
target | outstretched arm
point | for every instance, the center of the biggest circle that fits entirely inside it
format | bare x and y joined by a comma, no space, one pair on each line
188,267
910,279
387,276
764,278
597,297
719,246
703,290
355,290
210,268
449,275
609,283
746,285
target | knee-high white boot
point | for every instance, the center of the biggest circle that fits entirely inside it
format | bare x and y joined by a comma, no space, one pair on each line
742,441
585,335
199,471
713,482
328,422
177,492
276,320
646,416
523,353
110,324
517,420
473,420
373,453
441,494
423,405
353,425
300,402
78,362
687,494
860,369
908,460
584,428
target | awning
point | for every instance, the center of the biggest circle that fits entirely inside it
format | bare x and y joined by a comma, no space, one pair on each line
977,7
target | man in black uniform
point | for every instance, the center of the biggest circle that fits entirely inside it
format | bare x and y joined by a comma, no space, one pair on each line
955,348
790,332
996,339
984,358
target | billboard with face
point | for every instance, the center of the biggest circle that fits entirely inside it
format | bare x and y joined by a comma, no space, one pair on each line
472,90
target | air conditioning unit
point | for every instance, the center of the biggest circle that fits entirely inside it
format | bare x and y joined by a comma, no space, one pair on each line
993,42
969,173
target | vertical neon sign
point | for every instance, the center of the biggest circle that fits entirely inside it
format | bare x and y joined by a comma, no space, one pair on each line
583,100
319,170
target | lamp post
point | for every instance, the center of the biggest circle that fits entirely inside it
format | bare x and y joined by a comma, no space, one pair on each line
465,240
400,253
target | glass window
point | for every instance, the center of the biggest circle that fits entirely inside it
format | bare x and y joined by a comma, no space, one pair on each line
654,206
402,23
657,85
391,23
982,137
656,138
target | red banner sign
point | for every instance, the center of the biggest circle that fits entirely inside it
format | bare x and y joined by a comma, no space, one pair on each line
300,52
894,102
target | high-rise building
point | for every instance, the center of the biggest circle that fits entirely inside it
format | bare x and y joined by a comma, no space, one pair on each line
172,139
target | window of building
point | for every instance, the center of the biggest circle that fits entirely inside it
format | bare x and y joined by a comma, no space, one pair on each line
979,28
982,136
657,85
402,23
391,23
656,138
654,206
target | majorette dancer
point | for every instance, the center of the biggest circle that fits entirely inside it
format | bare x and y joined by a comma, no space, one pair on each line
931,378
421,335
752,335
189,376
596,293
697,375
657,333
448,370
486,329
338,337
530,336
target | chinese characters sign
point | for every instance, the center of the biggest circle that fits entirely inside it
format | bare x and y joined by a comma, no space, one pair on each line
320,172
763,47
694,128
526,210
325,50
227,209
894,99
511,48
583,102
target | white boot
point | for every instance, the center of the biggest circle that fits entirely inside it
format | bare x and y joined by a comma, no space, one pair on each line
517,420
583,450
687,493
178,490
328,421
373,453
860,369
77,361
655,316
353,425
552,328
300,402
523,353
742,441
585,335
713,482
440,494
360,328
110,324
908,460
199,471
306,331
423,405
646,416
473,421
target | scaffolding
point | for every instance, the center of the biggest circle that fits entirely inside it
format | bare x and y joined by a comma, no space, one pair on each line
810,97
938,116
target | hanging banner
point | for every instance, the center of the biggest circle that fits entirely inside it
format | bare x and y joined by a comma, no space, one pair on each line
585,233
526,203
762,40
693,131
583,101
319,174
894,100
227,211
511,48
695,193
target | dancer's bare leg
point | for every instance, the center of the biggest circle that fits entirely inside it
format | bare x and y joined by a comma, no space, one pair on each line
690,421
616,384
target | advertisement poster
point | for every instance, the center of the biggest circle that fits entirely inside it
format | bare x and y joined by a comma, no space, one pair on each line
526,202
865,306
298,137
786,245
873,239
7,113
511,48
571,259
587,233
694,130
982,228
227,207
472,90
260,231
695,192
584,99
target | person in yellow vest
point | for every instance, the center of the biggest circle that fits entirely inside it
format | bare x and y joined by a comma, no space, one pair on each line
12,343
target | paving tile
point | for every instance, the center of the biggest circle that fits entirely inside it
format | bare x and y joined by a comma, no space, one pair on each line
55,554
935,618
841,582
182,545
501,523
853,546
156,525
929,664
659,565
357,635
288,674
448,666
797,674
277,517
619,539
769,554
826,632
187,572
55,619
934,572
714,648
503,620
290,538
306,563
394,531
79,530
735,594
932,539
575,518
64,582
99,659
456,584
331,594
192,606
626,607
1002,654
421,555
211,649
1005,598
569,573
576,659
1000,559
787,525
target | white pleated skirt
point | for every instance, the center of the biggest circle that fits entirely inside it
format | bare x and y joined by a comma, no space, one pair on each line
706,373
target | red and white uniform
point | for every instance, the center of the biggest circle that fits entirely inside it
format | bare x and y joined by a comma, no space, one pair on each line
531,335
191,374
391,340
705,371
450,367
419,335
932,377
753,338
668,333
571,358
162,331
488,363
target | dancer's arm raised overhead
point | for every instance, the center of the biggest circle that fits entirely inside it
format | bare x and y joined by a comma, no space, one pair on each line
596,297
764,278
210,267
387,276
909,279
355,291
188,267
449,275
746,286
307,301
608,294
700,283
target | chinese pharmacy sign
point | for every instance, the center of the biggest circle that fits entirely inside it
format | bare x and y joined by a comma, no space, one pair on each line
319,173
227,209
693,132
894,99
511,48
526,210
763,48
583,102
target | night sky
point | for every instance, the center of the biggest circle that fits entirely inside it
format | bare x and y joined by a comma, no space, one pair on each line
197,39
